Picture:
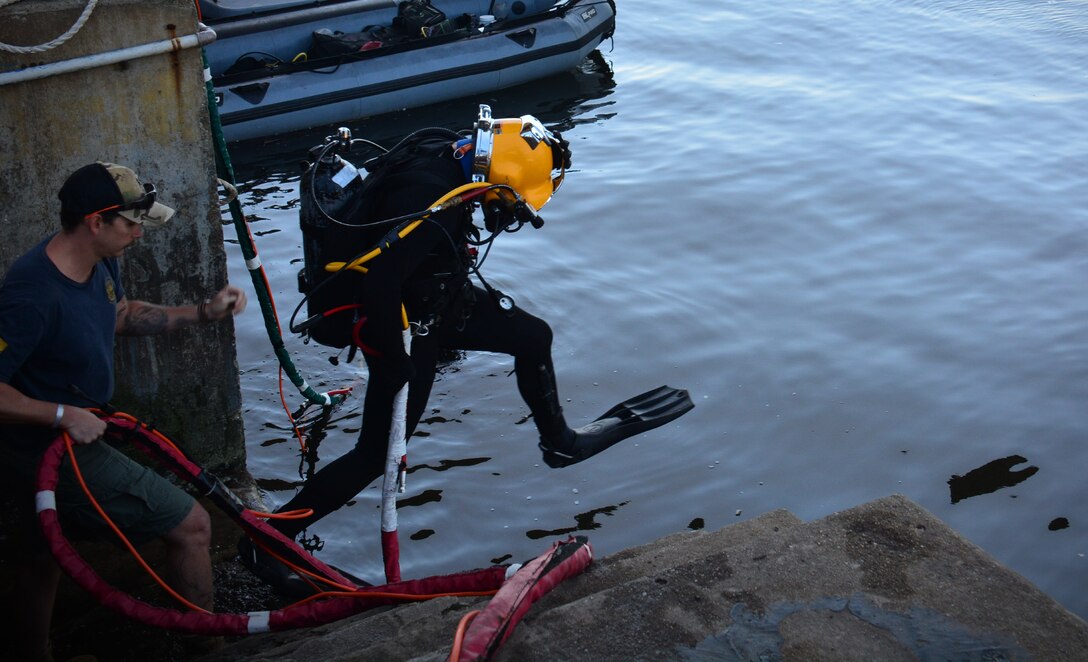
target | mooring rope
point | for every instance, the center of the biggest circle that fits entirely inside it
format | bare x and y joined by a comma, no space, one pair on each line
76,27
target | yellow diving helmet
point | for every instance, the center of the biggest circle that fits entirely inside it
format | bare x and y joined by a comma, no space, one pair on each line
520,153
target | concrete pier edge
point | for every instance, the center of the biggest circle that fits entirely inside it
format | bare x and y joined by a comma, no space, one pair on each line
885,580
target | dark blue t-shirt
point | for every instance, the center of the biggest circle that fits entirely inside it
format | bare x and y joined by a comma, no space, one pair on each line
56,333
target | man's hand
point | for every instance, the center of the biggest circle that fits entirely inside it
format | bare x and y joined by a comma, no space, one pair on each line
227,301
82,425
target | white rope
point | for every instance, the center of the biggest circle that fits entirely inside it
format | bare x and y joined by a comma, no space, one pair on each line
76,27
232,192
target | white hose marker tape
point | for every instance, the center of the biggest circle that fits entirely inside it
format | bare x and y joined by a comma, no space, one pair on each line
395,449
258,622
45,500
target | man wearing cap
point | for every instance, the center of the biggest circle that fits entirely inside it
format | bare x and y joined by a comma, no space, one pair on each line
61,304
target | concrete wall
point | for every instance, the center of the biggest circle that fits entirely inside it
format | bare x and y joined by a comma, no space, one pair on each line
149,114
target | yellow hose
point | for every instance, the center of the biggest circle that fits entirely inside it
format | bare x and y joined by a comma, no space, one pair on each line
445,202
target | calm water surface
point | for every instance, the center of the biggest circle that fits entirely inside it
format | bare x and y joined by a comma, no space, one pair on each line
857,232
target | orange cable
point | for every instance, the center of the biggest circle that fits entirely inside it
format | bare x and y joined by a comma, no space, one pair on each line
306,575
158,435
301,513
128,545
349,592
287,410
459,635
406,597
279,330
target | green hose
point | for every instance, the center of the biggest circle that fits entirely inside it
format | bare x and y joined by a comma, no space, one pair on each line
256,270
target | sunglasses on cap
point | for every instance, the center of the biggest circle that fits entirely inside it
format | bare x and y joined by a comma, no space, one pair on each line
144,202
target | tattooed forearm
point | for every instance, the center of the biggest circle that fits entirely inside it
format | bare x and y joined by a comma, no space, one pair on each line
142,319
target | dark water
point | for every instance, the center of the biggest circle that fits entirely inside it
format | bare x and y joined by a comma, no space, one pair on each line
857,232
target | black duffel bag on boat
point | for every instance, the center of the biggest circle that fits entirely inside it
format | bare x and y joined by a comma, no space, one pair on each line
328,43
415,15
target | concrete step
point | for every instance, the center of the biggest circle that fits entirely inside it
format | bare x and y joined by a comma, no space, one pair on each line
677,549
406,632
885,580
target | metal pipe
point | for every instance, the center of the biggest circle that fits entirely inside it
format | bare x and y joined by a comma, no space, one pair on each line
203,37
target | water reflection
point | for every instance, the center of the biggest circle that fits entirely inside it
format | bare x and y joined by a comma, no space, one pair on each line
583,522
421,499
445,465
1058,523
990,477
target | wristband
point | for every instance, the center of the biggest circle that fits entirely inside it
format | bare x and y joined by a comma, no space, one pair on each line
202,312
59,416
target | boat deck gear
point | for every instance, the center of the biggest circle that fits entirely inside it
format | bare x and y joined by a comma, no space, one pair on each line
317,63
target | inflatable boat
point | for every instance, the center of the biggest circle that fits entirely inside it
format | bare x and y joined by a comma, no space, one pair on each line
284,65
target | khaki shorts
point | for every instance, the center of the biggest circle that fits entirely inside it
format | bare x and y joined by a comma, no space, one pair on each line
143,504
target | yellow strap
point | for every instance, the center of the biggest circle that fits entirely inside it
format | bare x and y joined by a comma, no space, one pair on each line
357,264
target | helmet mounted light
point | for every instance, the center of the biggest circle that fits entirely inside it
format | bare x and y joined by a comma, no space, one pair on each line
481,159
518,152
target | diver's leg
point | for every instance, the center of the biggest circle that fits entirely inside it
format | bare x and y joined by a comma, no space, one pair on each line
529,340
340,480
424,359
330,488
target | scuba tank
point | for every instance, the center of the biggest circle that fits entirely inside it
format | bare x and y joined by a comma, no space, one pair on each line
337,223
332,213
336,216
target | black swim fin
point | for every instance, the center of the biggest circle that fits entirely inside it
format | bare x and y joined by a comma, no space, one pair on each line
638,414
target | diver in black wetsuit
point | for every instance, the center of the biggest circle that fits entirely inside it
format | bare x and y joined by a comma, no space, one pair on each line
427,270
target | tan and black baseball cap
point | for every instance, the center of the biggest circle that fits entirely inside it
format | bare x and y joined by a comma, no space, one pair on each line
108,187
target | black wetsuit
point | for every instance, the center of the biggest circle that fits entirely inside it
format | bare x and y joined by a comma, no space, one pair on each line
427,272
